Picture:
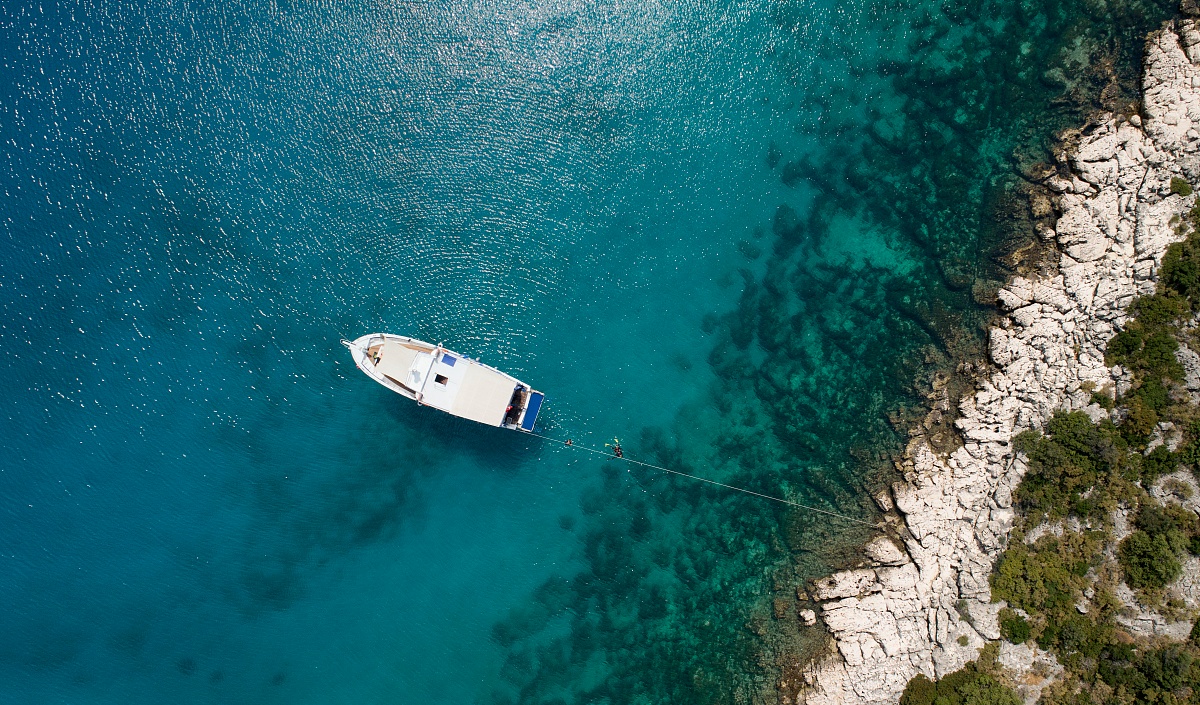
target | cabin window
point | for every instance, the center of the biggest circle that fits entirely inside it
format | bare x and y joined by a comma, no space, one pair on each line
441,379
448,360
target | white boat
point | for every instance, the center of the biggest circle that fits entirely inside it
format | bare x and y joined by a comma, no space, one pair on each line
434,376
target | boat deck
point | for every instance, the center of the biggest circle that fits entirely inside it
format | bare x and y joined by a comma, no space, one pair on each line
394,360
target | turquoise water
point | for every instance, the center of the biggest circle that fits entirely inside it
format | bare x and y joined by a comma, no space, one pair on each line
739,236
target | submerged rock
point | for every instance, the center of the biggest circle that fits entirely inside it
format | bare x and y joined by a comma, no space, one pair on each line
930,609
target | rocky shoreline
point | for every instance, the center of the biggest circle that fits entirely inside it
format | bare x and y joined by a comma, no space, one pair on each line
923,605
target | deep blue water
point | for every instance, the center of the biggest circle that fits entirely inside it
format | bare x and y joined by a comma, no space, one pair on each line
738,235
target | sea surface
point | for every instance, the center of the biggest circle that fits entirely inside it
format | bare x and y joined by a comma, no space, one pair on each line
741,236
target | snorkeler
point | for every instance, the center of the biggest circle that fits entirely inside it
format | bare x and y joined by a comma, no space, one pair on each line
569,442
616,446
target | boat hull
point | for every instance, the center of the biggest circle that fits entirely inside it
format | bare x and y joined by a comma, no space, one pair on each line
433,376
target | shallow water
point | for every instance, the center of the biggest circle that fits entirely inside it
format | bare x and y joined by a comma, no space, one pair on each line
739,236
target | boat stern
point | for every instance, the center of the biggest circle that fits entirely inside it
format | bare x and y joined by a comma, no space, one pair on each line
532,408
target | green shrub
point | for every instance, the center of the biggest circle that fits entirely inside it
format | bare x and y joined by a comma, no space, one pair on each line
1172,520
1047,577
1080,636
973,684
1157,310
1180,271
1149,350
1030,579
1159,462
1013,627
1124,345
1073,457
1140,421
1189,453
1180,187
1157,358
1167,668
1148,344
1148,561
919,691
1105,401
1149,675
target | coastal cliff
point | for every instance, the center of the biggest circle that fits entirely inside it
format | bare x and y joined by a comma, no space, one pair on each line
924,604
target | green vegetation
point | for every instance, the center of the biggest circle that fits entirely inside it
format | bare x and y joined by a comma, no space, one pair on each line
919,691
1152,675
1047,580
974,684
1147,347
1085,471
1104,401
1180,273
1014,627
1148,561
1180,187
1148,344
1150,556
1077,468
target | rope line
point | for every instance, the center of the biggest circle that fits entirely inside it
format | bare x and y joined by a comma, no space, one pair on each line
704,479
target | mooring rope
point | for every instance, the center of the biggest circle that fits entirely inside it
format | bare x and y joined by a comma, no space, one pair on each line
781,500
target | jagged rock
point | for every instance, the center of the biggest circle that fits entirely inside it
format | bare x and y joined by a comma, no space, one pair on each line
1166,434
808,617
1117,220
1191,370
884,551
1095,412
1164,490
1140,621
1029,667
899,578
847,583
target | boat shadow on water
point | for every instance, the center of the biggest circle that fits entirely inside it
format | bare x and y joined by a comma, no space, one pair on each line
446,436
368,485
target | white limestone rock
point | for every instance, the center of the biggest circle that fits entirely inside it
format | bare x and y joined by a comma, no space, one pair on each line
847,583
1141,621
1191,370
1095,412
1180,488
1029,667
1172,106
884,551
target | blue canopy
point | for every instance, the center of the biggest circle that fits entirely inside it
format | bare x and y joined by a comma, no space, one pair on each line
531,411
